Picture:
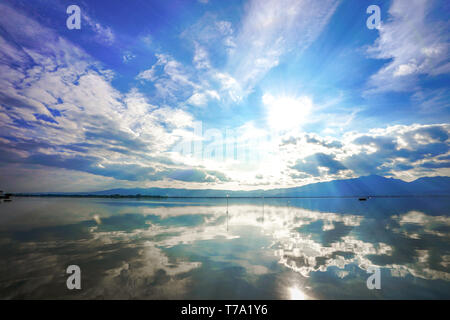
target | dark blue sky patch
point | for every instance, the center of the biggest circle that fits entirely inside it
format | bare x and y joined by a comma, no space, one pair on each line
44,118
23,123
54,112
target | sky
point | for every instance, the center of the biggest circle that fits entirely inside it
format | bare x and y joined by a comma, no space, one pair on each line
221,94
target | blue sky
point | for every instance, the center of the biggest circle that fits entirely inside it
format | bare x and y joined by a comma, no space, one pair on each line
221,94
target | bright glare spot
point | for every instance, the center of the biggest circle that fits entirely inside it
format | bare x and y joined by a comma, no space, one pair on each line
97,219
284,113
296,294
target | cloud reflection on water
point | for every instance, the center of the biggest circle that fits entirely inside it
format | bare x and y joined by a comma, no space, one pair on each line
156,251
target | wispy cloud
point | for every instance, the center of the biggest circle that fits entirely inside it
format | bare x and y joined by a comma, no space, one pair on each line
271,29
415,45
103,34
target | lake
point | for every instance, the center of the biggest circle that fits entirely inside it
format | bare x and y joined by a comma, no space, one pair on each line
204,249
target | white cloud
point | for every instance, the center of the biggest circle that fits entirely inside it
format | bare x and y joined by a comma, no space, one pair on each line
405,69
58,107
212,32
201,59
128,56
435,100
269,30
273,28
413,43
103,34
200,99
179,84
66,105
172,80
245,53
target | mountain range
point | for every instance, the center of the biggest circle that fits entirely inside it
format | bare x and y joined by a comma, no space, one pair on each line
372,185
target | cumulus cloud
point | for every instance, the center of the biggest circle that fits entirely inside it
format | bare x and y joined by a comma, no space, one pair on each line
398,147
311,164
314,139
323,142
59,109
402,151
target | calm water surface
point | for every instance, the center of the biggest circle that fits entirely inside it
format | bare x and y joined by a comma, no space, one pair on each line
193,249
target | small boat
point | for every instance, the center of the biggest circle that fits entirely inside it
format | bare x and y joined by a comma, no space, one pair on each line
362,199
6,197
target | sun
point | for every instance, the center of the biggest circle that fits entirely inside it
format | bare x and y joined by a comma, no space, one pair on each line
285,113
296,294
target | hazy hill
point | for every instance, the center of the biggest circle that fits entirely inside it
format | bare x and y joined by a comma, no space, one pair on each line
363,186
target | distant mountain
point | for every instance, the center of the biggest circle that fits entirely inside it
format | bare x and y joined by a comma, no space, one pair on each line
372,185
